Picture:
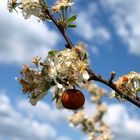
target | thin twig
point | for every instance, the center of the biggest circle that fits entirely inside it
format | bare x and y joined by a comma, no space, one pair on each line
112,76
63,31
109,83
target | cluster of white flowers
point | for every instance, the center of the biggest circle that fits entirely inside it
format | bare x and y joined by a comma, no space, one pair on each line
37,7
67,68
94,125
77,118
28,7
129,84
63,69
60,4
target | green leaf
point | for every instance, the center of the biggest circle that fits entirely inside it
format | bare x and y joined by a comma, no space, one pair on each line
52,53
72,19
85,56
71,26
138,89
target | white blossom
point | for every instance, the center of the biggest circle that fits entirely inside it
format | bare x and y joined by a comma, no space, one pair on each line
30,7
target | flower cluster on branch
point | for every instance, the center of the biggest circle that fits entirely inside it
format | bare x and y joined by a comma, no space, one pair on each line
129,84
63,69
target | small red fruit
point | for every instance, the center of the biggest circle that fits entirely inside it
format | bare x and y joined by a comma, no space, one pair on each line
72,99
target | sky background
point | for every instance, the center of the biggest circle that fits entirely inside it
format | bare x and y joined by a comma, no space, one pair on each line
109,28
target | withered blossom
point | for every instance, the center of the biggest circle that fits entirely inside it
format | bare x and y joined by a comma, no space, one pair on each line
129,84
12,4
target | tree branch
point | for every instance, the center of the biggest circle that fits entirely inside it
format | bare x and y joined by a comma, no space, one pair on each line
94,76
61,29
109,83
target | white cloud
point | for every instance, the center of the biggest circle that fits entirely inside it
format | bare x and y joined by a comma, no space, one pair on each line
123,124
63,138
88,28
22,39
126,19
49,113
14,125
20,121
95,50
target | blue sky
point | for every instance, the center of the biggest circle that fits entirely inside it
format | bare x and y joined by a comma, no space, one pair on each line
111,31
